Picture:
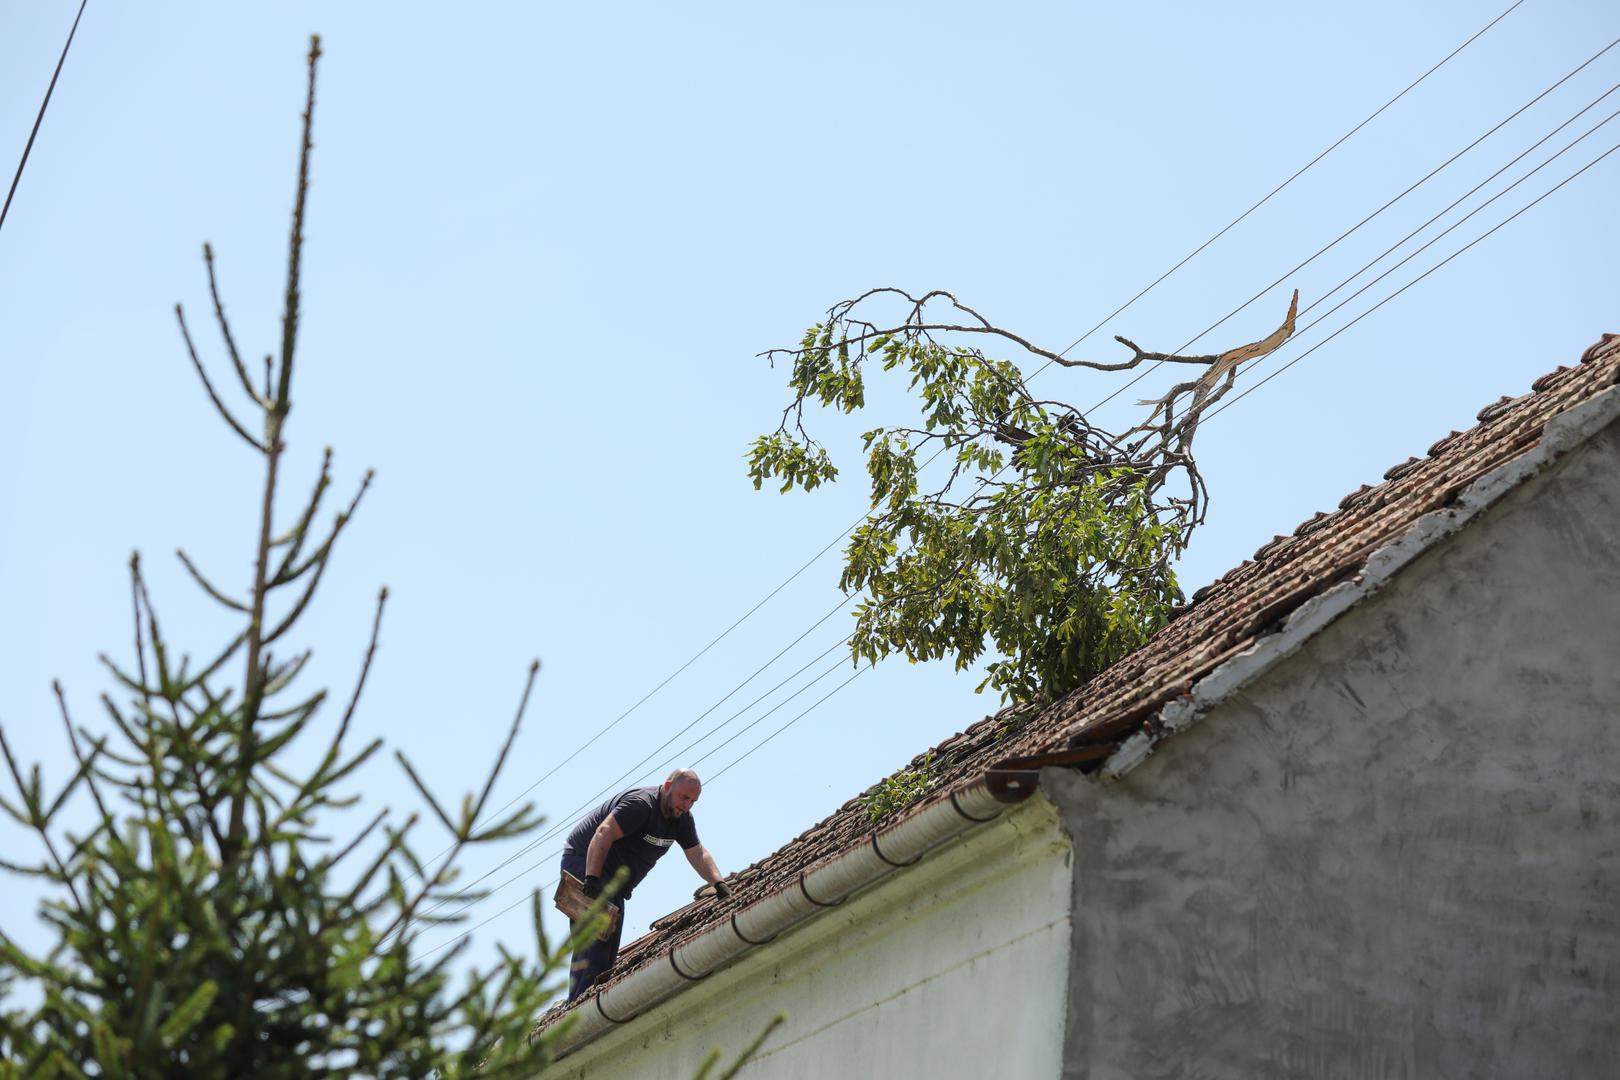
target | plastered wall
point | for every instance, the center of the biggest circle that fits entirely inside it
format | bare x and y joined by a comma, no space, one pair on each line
1396,854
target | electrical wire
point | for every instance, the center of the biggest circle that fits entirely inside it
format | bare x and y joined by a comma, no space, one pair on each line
1227,405
649,775
1454,204
40,118
738,760
576,815
465,934
1145,372
581,749
1290,180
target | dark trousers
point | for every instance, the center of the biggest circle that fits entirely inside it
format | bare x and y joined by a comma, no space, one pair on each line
593,957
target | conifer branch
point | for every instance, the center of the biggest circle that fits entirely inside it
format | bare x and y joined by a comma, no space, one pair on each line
85,763
208,586
225,331
30,793
202,373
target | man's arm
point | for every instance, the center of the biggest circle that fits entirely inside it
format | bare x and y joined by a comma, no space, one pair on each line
604,837
704,864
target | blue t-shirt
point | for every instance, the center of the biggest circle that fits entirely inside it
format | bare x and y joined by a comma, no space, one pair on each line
647,835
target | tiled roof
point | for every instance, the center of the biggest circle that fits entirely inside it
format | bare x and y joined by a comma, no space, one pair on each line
1223,619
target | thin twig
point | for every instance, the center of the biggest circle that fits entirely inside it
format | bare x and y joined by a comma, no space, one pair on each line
196,362
225,330
208,586
78,754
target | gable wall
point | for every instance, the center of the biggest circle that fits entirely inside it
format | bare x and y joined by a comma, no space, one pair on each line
1396,854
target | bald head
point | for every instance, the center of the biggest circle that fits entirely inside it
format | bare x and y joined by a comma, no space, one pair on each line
681,789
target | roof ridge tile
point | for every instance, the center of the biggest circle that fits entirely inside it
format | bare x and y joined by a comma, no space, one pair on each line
1497,408
1546,381
1405,468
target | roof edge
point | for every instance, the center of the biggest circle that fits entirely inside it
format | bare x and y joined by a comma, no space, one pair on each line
1561,434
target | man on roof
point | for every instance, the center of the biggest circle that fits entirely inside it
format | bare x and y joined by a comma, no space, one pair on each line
632,830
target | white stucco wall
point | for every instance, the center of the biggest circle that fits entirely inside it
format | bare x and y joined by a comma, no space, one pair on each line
1397,853
955,967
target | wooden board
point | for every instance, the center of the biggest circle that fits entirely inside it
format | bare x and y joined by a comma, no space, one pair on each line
572,902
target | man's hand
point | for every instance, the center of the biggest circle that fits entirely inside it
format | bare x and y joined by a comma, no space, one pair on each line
721,890
593,886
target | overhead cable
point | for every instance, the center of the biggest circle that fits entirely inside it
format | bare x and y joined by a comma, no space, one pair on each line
757,671
1145,372
40,118
1290,180
465,934
574,816
1228,404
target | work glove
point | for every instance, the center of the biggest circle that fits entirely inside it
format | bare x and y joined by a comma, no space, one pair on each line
721,891
593,886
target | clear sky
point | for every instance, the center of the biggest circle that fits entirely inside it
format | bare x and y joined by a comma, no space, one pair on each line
546,244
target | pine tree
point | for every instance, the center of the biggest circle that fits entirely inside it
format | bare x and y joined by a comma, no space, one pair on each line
205,927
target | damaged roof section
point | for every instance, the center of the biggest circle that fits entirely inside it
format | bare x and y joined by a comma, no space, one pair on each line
1148,695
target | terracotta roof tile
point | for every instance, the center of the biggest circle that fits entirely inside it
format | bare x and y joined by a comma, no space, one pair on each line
1224,617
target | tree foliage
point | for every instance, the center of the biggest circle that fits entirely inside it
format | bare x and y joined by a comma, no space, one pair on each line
205,927
1049,539
896,792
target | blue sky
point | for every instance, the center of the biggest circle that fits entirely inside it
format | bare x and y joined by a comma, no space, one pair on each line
546,245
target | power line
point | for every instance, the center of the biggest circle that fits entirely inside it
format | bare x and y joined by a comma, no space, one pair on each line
472,930
583,746
1145,372
568,824
1449,229
1440,236
1457,202
1415,280
39,119
574,816
745,729
1288,181
858,673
